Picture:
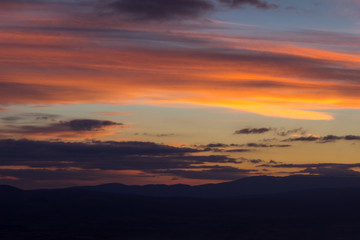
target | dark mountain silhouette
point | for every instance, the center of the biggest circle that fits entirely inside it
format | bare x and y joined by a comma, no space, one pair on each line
8,193
242,187
328,208
6,189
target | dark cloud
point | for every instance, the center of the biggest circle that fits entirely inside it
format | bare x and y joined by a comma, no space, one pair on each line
351,137
28,160
176,10
217,145
28,149
256,161
324,169
256,145
283,132
325,139
256,3
230,148
102,155
330,138
302,139
278,131
162,9
253,130
264,164
334,171
280,145
144,9
237,150
31,117
88,124
60,129
222,147
259,145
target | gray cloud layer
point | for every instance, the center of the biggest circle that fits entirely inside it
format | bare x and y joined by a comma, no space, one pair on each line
253,130
145,10
26,159
162,9
324,169
325,139
179,9
277,131
257,3
76,125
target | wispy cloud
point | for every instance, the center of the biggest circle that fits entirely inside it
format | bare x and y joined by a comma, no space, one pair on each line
257,3
252,130
282,132
323,169
325,139
161,9
278,75
76,128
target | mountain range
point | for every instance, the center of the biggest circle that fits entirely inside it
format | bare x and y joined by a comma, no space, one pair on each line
243,187
256,208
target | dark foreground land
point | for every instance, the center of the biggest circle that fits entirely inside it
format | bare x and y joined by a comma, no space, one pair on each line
108,212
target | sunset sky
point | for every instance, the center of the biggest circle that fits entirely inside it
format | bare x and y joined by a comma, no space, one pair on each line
177,91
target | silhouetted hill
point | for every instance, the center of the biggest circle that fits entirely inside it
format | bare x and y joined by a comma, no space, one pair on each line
6,189
159,190
8,193
242,187
329,213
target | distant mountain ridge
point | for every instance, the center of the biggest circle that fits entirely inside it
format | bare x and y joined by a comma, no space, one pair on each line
257,208
260,185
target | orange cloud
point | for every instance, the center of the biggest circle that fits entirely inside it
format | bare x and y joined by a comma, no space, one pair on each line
271,77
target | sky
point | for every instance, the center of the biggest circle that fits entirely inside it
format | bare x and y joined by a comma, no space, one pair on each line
177,92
